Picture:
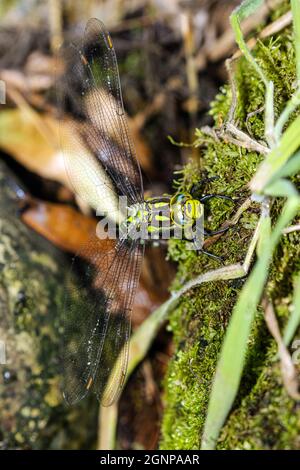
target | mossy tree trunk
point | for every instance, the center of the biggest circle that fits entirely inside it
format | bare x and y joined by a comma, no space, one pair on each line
263,416
32,275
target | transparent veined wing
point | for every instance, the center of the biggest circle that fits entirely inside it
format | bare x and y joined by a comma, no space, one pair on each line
105,161
97,319
102,165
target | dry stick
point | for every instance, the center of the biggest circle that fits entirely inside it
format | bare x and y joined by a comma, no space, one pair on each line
107,424
224,44
233,87
191,71
239,138
293,228
288,370
55,20
245,140
229,132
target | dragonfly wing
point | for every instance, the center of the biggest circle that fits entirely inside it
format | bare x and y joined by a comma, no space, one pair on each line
102,165
87,178
91,88
93,320
109,379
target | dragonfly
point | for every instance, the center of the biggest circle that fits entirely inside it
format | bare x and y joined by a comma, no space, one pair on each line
97,149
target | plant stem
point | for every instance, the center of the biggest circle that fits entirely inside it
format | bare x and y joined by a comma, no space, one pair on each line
291,106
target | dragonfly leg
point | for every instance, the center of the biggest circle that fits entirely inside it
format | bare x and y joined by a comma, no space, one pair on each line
211,255
210,233
201,250
197,188
219,196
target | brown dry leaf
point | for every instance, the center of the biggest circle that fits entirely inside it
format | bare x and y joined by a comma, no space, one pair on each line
69,230
33,140
64,226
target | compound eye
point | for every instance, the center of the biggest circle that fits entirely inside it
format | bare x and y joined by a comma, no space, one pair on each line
180,217
182,209
178,199
189,209
177,214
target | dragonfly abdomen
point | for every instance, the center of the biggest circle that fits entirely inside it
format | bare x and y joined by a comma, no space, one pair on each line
146,219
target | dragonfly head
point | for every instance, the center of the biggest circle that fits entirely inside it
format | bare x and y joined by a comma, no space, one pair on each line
185,211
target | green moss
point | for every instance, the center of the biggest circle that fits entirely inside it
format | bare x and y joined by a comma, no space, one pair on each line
263,416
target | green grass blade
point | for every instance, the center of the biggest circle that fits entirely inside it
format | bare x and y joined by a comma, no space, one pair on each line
277,158
291,168
291,106
247,8
294,102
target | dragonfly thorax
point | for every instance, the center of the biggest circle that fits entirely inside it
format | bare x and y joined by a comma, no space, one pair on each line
184,210
146,218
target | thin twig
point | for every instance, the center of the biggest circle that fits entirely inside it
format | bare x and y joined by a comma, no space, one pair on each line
230,133
243,140
246,141
252,114
108,417
288,370
229,223
293,228
55,20
234,91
